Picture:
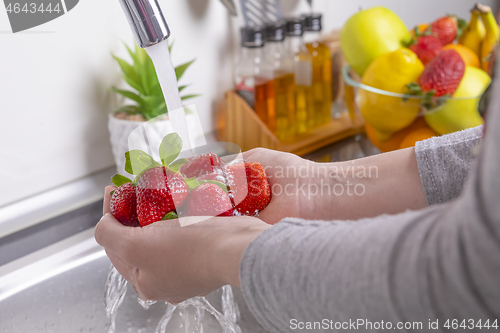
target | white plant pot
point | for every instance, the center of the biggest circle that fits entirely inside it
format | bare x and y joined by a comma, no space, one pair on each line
120,131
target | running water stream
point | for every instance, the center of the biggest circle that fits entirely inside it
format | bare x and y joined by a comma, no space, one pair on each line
116,285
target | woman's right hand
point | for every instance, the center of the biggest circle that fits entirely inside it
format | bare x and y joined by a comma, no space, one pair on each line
289,188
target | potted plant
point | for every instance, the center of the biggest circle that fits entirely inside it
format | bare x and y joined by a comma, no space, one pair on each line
148,104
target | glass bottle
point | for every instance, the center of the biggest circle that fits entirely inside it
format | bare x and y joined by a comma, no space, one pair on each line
322,68
254,76
284,79
302,65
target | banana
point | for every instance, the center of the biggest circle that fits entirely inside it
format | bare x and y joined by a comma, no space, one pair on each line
474,33
491,39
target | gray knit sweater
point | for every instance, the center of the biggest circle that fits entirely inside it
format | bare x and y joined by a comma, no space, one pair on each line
439,266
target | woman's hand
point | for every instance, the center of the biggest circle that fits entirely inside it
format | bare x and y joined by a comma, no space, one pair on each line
283,172
167,262
382,184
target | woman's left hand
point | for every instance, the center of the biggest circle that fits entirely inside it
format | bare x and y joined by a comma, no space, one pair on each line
167,262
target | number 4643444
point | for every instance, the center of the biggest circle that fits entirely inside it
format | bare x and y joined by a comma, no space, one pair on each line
471,324
32,8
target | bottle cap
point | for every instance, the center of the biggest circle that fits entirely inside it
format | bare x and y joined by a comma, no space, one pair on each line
275,32
312,22
252,37
294,27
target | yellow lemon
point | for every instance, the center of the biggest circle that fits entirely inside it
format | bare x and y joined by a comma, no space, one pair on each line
459,114
390,72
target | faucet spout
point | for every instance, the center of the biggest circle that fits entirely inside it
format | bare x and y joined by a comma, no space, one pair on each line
146,21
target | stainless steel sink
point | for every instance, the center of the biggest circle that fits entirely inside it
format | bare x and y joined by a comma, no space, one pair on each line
61,289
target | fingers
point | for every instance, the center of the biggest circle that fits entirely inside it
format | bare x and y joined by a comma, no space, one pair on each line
129,273
125,270
119,239
256,151
107,198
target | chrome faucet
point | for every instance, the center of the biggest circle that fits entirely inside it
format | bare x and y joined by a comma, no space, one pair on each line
146,20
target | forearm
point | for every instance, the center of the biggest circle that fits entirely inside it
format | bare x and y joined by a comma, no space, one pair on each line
368,187
227,249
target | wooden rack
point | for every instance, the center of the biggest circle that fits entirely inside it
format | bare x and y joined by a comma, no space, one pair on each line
239,124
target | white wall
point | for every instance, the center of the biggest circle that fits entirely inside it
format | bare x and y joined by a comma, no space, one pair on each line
55,79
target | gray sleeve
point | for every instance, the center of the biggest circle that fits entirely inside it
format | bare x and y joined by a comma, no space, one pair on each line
439,263
444,163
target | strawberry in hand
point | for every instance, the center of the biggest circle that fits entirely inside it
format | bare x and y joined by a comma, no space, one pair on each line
123,203
201,165
186,187
208,200
249,188
159,191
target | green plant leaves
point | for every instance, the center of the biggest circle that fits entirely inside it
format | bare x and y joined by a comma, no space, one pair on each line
137,161
189,97
118,180
130,95
170,216
134,84
170,148
141,76
176,165
181,69
127,69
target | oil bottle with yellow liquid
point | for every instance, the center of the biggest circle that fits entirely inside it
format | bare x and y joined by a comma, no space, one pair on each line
254,77
303,71
322,69
284,79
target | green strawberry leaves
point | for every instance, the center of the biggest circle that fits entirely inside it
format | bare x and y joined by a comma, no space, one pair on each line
428,99
221,185
170,216
414,89
137,161
170,148
118,180
193,183
176,165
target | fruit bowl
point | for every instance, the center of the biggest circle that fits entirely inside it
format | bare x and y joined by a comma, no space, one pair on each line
394,121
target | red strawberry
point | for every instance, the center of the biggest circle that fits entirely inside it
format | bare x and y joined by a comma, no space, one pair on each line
445,29
443,74
201,165
159,191
249,188
217,176
208,200
124,205
426,48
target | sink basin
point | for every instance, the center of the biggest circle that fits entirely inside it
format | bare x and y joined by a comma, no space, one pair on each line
61,289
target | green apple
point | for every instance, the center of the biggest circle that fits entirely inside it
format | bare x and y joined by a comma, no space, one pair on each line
461,112
371,33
